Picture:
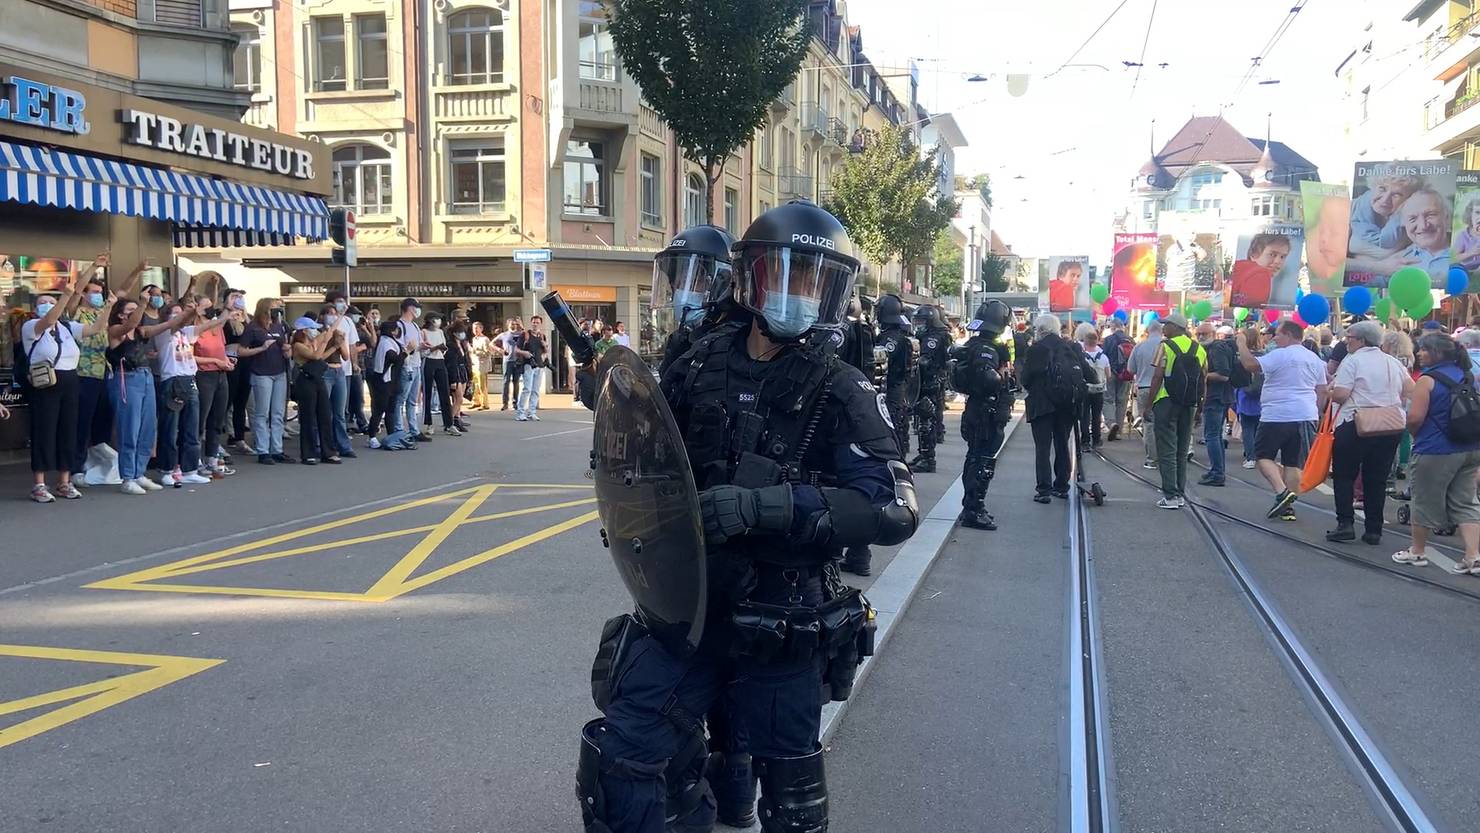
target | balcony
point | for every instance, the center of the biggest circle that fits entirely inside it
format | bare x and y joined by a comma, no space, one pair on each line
650,123
787,100
814,122
1440,42
474,103
1451,121
836,132
792,184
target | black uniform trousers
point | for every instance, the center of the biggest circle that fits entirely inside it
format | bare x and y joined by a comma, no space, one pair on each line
984,431
1051,436
926,412
898,404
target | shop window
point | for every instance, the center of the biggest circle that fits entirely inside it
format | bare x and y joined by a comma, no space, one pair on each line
246,61
586,190
475,47
329,61
597,54
693,200
372,59
362,179
732,210
652,190
478,177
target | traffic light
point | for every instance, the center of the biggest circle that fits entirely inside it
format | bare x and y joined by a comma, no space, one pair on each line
342,232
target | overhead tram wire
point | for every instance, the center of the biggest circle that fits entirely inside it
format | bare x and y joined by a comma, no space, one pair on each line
1092,36
1141,62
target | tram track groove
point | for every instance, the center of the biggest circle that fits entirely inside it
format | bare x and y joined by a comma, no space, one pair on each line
1091,802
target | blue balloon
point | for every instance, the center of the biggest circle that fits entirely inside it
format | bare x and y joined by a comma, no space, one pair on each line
1122,316
1149,317
1356,300
1459,280
1299,294
1314,309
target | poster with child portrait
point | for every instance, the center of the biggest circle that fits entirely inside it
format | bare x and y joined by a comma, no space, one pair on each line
1133,279
1266,271
1401,215
1466,248
1328,209
1068,283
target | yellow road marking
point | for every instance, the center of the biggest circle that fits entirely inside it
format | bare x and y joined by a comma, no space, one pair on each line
394,583
91,698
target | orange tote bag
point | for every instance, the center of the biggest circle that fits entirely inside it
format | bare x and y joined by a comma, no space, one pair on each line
1318,461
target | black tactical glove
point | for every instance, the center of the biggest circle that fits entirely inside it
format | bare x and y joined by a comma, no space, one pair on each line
731,511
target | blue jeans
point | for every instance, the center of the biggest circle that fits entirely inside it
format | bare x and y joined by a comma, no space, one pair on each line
179,433
1250,427
134,419
338,388
406,398
269,403
529,398
1215,415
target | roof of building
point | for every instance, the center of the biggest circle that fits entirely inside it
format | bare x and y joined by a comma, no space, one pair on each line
1211,139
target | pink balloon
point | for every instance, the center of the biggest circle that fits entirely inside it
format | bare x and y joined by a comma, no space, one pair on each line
1295,316
1110,306
1271,315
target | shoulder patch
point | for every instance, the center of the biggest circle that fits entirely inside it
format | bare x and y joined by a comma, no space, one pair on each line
864,385
931,343
884,410
889,346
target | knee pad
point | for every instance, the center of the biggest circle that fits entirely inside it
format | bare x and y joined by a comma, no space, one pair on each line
793,794
590,770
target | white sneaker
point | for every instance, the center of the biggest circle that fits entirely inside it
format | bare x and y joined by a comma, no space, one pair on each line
147,484
374,442
535,417
519,416
1250,464
132,487
1169,503
451,431
195,478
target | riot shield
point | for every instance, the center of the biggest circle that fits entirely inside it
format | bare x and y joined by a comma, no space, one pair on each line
648,504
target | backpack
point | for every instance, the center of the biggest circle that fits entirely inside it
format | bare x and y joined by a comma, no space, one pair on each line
1095,380
1066,383
1239,376
1123,372
1464,409
1183,380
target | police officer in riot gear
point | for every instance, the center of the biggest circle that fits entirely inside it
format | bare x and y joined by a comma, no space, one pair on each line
935,345
693,289
977,369
858,339
902,370
792,456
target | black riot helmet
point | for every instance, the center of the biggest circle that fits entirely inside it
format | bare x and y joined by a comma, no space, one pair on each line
690,275
992,317
889,312
927,316
794,269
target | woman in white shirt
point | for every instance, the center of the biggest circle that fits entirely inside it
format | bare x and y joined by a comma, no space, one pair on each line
1094,405
1372,381
49,341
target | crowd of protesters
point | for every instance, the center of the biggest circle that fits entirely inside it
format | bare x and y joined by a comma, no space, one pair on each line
177,386
1401,409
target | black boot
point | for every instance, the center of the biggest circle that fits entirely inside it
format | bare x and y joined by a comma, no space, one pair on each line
793,794
1342,532
733,781
856,561
923,463
978,518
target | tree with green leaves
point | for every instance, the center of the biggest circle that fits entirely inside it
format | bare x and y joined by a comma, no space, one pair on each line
994,273
948,264
710,68
887,199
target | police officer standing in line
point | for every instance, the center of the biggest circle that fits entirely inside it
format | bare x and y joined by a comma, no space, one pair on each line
901,369
858,350
693,289
976,370
935,345
792,456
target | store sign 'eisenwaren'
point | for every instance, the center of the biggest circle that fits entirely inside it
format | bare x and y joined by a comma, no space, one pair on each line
164,133
404,290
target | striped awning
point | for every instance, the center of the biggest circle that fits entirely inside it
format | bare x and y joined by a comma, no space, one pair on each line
204,211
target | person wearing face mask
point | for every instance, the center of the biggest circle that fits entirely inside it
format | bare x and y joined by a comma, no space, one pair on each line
132,391
335,315
355,410
239,379
434,376
793,459
264,347
410,337
459,361
49,342
213,370
178,448
94,411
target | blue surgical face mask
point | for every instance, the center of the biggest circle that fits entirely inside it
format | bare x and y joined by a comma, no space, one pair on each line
341,306
95,299
688,307
788,316
156,301
238,303
43,309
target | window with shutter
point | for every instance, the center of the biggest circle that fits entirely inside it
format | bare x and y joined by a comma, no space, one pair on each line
178,12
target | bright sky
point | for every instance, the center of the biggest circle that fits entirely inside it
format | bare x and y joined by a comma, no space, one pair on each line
1063,155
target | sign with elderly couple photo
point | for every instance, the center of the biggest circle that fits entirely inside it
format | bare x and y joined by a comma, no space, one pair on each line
1401,215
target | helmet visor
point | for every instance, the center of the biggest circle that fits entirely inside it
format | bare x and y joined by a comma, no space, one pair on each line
681,283
794,290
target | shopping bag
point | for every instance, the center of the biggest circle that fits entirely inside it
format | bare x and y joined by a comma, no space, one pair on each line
1318,460
102,466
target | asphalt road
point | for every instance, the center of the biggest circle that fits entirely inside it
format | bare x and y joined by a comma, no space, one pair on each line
404,643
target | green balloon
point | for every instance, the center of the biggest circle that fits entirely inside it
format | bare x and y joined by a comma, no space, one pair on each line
1424,306
1383,309
1202,309
1239,314
1408,286
1099,292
